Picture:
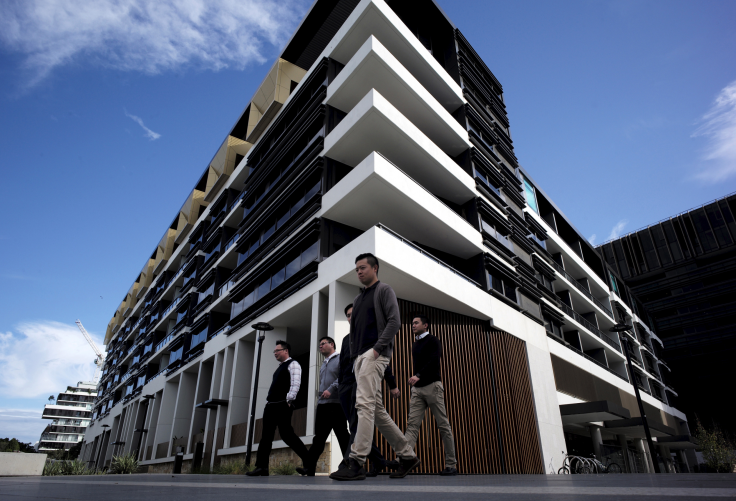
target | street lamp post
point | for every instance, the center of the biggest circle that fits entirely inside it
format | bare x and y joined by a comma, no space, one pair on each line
261,329
625,343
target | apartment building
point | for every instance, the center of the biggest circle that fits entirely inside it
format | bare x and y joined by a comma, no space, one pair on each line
378,129
683,271
70,414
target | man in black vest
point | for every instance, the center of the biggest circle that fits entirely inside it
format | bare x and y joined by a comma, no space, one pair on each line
279,407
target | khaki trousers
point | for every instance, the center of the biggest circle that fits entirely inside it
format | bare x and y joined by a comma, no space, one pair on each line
432,396
371,412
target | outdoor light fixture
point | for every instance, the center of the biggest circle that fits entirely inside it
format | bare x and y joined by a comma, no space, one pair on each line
621,327
261,329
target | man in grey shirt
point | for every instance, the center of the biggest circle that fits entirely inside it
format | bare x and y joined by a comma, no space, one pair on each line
330,415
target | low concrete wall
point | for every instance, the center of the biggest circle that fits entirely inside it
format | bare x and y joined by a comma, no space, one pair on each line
18,464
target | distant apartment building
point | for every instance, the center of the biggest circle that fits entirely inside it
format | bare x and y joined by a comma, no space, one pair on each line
379,129
70,416
683,271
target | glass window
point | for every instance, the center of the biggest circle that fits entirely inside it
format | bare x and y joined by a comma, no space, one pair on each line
278,278
242,257
614,285
531,196
297,205
263,289
283,219
254,247
292,268
268,233
310,254
313,190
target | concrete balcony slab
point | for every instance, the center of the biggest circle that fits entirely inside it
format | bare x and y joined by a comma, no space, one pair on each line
374,67
374,124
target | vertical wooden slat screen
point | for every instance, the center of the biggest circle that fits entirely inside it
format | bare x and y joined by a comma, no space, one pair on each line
471,350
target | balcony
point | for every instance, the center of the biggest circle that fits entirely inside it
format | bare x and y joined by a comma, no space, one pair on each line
406,206
589,326
580,288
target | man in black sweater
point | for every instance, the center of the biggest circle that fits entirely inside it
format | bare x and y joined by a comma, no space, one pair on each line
427,390
346,391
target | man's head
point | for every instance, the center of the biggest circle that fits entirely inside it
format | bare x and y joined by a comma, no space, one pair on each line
366,266
282,351
419,324
349,311
327,346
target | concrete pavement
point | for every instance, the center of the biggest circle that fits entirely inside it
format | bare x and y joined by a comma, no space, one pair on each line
421,488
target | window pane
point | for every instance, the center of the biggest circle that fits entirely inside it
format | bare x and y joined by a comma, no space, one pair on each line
313,190
531,197
264,288
283,219
297,205
268,233
278,278
254,247
310,254
292,268
509,291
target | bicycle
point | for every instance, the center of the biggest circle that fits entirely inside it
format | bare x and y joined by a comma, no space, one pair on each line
609,467
574,464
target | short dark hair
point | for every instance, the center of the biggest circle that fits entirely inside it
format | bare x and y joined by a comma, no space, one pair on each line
347,308
284,345
372,260
329,340
422,318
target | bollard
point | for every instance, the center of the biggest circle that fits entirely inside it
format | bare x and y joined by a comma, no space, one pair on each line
197,460
178,460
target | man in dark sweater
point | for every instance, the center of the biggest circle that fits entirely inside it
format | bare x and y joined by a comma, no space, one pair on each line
373,326
346,391
279,406
427,390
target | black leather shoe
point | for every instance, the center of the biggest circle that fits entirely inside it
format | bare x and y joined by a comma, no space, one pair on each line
305,472
405,466
449,472
353,471
258,472
392,465
373,472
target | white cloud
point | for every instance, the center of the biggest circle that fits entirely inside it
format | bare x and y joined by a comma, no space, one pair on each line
719,127
146,36
24,424
149,133
592,238
43,358
617,229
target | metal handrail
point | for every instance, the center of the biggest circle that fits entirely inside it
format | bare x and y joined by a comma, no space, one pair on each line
580,287
422,251
592,328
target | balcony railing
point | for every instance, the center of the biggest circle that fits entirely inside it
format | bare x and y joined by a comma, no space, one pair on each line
225,287
582,289
430,256
585,355
592,328
163,343
496,235
171,306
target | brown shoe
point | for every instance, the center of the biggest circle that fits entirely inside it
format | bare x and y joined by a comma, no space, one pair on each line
405,466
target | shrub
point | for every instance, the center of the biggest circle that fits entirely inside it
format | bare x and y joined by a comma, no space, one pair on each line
284,469
717,450
125,464
232,468
76,467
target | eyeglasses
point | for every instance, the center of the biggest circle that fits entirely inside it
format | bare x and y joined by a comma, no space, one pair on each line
323,343
276,351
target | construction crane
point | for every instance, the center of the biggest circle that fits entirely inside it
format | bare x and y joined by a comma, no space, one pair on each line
100,360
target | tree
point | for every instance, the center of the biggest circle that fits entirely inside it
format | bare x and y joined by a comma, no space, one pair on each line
51,398
717,450
13,445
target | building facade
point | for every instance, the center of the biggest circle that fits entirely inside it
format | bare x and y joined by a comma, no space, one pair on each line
70,415
379,129
683,271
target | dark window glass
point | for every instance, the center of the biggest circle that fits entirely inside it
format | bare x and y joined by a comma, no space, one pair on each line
297,205
242,257
263,289
254,247
649,254
707,240
661,244
292,268
623,264
278,278
674,247
313,190
283,219
310,254
718,224
636,248
681,238
268,233
690,229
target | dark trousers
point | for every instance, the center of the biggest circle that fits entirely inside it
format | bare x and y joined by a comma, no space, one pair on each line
347,400
329,417
278,415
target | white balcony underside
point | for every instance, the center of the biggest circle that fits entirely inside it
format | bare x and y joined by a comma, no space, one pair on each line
374,124
374,67
377,192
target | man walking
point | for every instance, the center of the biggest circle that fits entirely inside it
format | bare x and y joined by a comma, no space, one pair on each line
329,411
279,407
373,326
427,390
346,389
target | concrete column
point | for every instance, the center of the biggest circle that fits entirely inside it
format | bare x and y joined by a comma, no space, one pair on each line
642,449
184,405
166,416
318,330
202,393
240,385
682,457
625,453
595,437
664,453
153,423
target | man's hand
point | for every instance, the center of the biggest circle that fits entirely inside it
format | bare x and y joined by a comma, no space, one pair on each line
325,394
413,380
395,393
375,354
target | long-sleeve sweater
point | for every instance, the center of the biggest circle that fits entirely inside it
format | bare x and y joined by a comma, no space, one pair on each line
426,354
328,379
379,336
347,376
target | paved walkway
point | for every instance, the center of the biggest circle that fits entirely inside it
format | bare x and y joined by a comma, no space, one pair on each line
420,488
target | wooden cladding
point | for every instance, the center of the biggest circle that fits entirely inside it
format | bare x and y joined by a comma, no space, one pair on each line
488,396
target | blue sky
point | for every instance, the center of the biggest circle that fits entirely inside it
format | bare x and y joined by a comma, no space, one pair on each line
623,111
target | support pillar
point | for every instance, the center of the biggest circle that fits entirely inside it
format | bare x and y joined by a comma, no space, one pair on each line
625,453
682,457
595,437
641,448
